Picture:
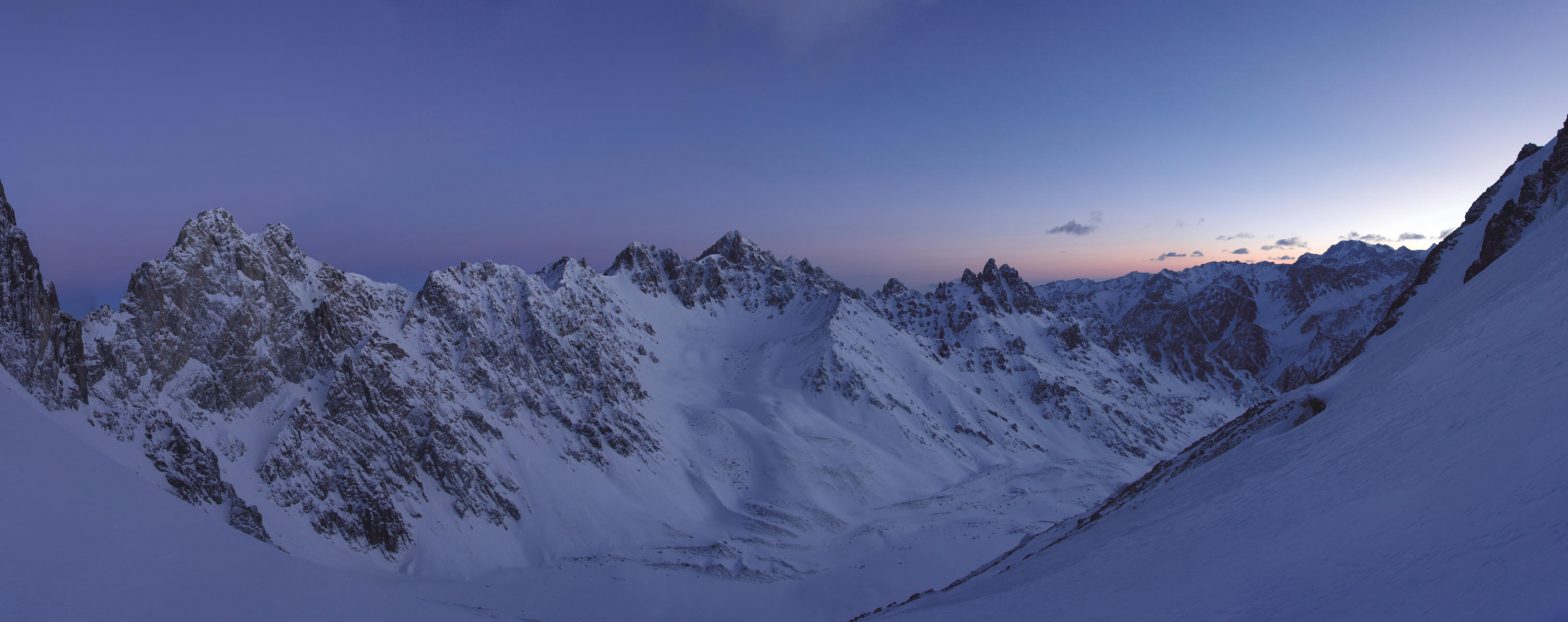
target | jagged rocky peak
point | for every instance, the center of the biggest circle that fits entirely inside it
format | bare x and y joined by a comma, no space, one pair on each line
650,267
39,345
253,310
566,270
640,255
213,226
1229,322
211,248
1001,289
733,268
280,237
1350,251
738,249
7,216
442,284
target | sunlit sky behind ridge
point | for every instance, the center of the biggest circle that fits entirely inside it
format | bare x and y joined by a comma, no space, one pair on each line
878,138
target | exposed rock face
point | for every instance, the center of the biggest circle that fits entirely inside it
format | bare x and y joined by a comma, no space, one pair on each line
39,346
192,471
992,331
1535,190
499,405
1508,207
225,322
518,339
733,267
1233,323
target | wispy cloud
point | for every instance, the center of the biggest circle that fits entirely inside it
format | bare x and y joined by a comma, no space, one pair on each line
1197,253
1240,251
1366,237
1073,227
1169,255
1445,233
1238,236
1291,242
1284,258
1411,236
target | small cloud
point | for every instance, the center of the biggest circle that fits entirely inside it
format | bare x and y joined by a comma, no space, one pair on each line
1365,237
1073,227
1197,253
1240,251
1445,233
1411,236
1239,236
1169,255
1283,258
1292,242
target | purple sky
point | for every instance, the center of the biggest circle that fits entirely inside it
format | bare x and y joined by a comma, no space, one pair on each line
879,138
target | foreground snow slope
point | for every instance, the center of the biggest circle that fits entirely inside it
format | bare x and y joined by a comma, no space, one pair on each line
84,538
1428,479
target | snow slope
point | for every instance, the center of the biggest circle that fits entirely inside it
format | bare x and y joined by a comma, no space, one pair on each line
1426,480
84,538
733,423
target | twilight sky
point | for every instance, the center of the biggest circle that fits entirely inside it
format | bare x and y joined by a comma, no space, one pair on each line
877,137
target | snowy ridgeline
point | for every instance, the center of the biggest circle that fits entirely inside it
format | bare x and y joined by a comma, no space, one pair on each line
718,415
739,432
735,418
1426,480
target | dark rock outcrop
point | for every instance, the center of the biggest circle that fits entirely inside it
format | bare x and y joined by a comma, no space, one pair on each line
733,267
40,346
1505,227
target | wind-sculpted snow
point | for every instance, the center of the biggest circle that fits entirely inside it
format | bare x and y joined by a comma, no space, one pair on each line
716,415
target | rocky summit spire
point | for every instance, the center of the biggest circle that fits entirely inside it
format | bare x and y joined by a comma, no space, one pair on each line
7,217
208,228
737,249
39,346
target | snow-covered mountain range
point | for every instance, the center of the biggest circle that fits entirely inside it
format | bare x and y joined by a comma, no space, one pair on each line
740,430
711,414
1423,480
